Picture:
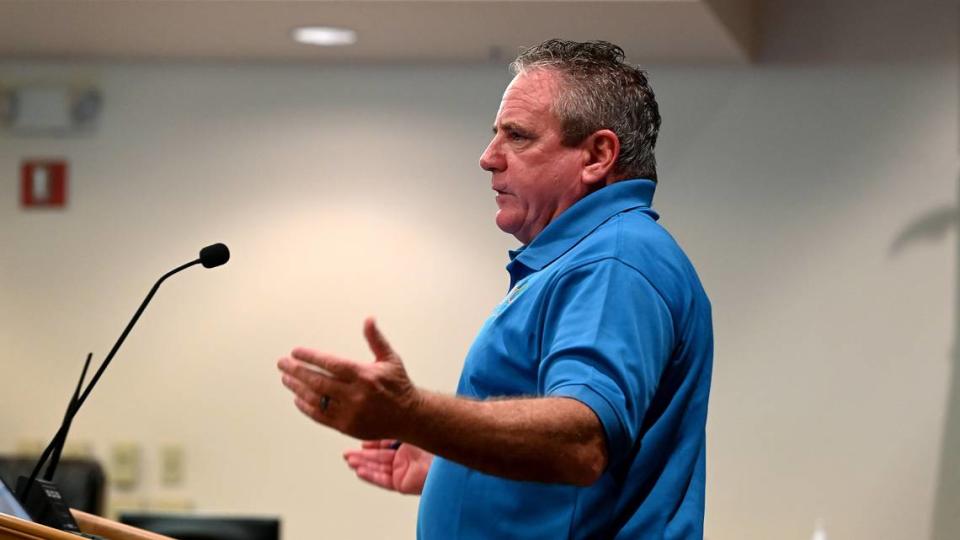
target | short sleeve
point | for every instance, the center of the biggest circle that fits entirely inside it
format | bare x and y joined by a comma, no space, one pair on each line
607,336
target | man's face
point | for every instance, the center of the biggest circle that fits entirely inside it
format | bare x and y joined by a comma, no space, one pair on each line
535,176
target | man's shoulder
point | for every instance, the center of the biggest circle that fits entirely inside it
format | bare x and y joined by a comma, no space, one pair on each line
635,240
633,237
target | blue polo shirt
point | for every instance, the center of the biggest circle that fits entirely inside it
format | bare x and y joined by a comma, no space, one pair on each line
603,308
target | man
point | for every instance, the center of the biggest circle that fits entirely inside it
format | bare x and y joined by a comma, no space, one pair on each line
581,408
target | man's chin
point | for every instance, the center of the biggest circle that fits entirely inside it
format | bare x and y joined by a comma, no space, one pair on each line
506,223
510,226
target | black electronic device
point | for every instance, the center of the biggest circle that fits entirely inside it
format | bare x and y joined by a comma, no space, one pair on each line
46,504
195,527
11,506
82,481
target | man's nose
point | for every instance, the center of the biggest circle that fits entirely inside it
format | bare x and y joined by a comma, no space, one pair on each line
491,160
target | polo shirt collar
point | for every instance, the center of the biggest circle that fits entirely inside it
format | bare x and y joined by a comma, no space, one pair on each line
581,219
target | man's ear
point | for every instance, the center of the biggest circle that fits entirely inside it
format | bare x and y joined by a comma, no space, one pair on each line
600,152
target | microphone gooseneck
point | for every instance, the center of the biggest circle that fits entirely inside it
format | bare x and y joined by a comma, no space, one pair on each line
67,420
210,257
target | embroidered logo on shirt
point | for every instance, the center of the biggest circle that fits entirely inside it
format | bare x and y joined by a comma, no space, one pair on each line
511,296
515,292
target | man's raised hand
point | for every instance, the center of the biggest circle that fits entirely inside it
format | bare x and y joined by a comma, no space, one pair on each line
361,399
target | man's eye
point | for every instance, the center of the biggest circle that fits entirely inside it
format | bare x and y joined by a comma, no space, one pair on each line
517,136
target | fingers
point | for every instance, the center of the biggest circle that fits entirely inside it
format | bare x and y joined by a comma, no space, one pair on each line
339,368
378,344
357,462
372,464
319,406
313,387
374,456
370,456
302,372
302,390
312,411
324,384
310,387
380,479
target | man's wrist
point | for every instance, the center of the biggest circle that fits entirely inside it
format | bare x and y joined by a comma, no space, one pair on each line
414,415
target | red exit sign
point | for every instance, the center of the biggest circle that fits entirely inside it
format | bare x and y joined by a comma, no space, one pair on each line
43,183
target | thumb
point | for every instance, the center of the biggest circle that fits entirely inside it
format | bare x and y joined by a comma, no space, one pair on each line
378,344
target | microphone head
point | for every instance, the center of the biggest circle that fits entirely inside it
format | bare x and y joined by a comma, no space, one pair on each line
214,255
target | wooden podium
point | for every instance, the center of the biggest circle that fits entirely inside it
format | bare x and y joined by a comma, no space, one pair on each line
12,528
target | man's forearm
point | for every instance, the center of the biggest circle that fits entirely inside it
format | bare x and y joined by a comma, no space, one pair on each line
550,439
535,439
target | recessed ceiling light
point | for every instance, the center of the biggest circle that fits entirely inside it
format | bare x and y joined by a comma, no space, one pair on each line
325,35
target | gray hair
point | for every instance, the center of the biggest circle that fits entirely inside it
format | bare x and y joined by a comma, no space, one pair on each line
601,92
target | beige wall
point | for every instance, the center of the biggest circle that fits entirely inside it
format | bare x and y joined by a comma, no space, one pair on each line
352,191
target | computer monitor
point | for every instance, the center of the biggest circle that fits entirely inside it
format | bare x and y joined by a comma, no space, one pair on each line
200,527
9,504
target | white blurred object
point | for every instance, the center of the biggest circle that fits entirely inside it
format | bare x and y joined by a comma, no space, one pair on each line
819,531
41,109
50,109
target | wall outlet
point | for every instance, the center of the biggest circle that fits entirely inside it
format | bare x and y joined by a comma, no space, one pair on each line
125,465
172,465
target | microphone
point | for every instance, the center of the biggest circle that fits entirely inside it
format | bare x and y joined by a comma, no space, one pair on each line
214,256
46,505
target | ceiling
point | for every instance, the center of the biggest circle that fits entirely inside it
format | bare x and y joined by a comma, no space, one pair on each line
694,31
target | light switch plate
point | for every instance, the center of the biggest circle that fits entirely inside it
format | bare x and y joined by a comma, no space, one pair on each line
172,465
125,465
